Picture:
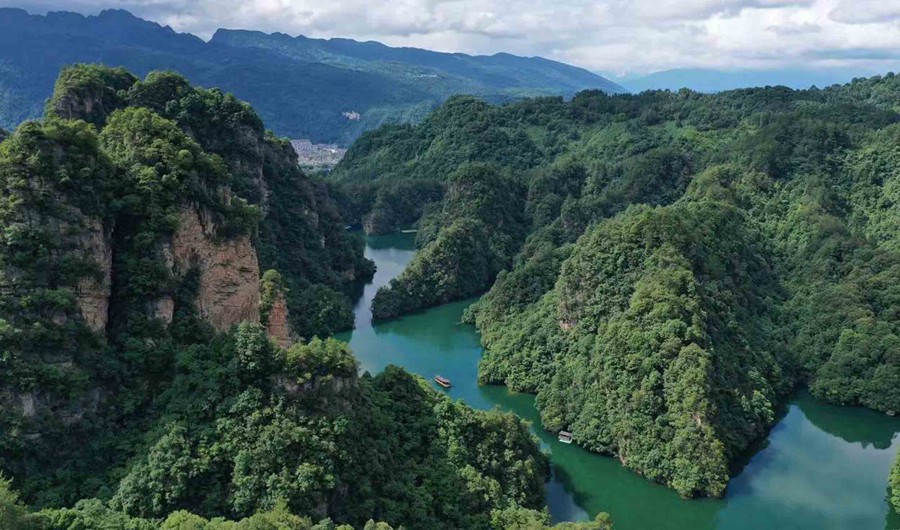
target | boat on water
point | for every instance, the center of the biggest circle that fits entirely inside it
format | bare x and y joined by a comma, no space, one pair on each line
565,437
443,381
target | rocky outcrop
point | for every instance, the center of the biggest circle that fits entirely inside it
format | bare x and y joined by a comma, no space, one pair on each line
164,309
92,293
75,237
327,392
278,327
379,222
90,93
228,290
33,405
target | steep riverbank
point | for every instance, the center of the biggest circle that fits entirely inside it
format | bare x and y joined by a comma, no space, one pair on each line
821,467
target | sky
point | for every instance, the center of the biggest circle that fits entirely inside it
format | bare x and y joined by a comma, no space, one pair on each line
612,36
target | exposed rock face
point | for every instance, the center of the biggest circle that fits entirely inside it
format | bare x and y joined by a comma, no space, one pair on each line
164,309
351,275
90,98
70,107
92,294
30,405
378,222
332,386
77,236
278,327
229,270
80,237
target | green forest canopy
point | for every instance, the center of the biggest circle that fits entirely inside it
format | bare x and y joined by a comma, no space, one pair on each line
686,259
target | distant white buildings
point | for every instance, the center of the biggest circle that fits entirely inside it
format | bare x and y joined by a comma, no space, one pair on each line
317,156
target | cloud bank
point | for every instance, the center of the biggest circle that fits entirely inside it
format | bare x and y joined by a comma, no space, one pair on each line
619,36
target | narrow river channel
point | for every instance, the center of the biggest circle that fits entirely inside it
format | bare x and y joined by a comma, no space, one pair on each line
822,466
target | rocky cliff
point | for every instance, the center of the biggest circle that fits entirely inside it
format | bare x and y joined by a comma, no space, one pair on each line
228,289
300,231
278,327
90,95
93,292
55,273
133,215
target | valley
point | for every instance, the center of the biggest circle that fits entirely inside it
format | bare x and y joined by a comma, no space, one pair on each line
790,475
477,291
663,270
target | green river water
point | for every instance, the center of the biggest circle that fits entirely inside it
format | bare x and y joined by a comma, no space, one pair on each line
822,466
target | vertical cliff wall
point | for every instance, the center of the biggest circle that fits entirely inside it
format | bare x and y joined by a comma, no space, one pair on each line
228,291
93,292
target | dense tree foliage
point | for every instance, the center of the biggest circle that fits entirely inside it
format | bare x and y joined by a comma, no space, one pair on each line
267,426
687,259
399,165
471,239
895,485
94,514
41,252
520,519
383,209
245,428
121,407
657,344
325,90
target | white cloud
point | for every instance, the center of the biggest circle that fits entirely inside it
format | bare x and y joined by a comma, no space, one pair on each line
795,28
866,11
607,35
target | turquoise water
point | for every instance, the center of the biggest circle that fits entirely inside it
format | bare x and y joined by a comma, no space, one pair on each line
822,466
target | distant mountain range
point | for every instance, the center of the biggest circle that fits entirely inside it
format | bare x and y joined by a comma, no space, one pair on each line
711,80
325,90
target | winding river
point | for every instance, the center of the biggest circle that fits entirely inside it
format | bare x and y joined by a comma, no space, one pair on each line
822,466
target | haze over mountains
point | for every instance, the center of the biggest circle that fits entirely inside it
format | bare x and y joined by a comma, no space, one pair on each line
324,90
712,80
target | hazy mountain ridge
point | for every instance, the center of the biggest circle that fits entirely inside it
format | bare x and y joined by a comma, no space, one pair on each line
302,87
719,80
501,70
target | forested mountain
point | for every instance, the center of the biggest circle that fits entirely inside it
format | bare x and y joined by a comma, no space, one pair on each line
152,377
477,230
672,263
441,74
324,90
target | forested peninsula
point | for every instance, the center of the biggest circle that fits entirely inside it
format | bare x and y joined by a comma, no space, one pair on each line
661,269
169,276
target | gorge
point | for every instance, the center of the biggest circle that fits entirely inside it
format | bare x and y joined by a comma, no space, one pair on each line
662,270
153,376
702,289
816,453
